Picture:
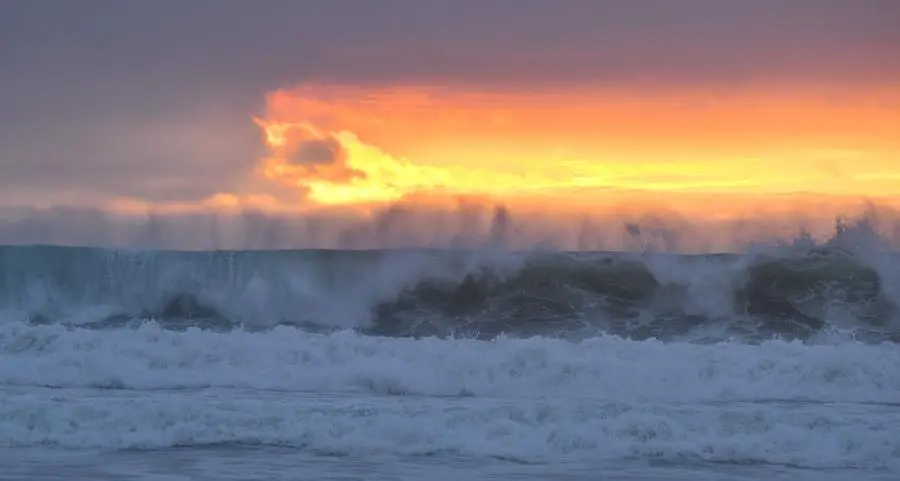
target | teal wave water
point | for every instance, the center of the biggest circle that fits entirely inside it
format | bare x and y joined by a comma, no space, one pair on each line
459,293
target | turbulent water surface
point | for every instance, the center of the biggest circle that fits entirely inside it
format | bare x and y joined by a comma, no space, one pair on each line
783,363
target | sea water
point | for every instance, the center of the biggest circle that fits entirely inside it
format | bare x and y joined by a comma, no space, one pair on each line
434,365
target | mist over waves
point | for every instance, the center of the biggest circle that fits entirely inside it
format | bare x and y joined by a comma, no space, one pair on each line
470,223
468,282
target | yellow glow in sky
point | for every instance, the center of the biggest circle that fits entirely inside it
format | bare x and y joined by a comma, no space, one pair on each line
358,146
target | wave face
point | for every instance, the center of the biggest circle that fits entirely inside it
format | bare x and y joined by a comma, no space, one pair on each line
788,293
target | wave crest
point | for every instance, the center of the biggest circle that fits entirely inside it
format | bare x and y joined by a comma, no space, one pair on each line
789,293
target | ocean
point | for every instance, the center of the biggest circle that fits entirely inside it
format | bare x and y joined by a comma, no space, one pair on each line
780,363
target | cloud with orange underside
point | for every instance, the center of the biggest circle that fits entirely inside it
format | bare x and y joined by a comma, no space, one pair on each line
364,146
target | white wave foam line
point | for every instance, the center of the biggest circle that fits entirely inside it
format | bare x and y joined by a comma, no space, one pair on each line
534,431
289,359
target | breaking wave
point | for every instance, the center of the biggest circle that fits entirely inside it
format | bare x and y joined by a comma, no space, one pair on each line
795,291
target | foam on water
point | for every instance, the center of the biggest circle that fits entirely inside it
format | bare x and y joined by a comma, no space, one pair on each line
289,359
826,405
540,431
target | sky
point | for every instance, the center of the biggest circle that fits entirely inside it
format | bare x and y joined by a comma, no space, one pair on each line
712,109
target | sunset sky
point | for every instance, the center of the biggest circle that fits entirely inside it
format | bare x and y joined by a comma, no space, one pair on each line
714,109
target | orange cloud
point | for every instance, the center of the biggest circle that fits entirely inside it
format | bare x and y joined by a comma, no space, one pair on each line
305,155
345,146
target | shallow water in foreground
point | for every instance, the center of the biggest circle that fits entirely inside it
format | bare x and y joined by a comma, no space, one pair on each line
252,463
238,434
150,403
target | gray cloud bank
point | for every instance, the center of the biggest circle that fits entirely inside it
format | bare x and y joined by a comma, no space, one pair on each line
153,100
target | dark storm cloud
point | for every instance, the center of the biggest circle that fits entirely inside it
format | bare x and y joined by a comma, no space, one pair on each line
80,79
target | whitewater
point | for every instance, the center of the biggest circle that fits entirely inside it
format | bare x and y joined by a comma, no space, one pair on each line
781,362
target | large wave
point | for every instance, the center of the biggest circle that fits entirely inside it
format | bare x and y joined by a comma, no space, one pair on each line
796,291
